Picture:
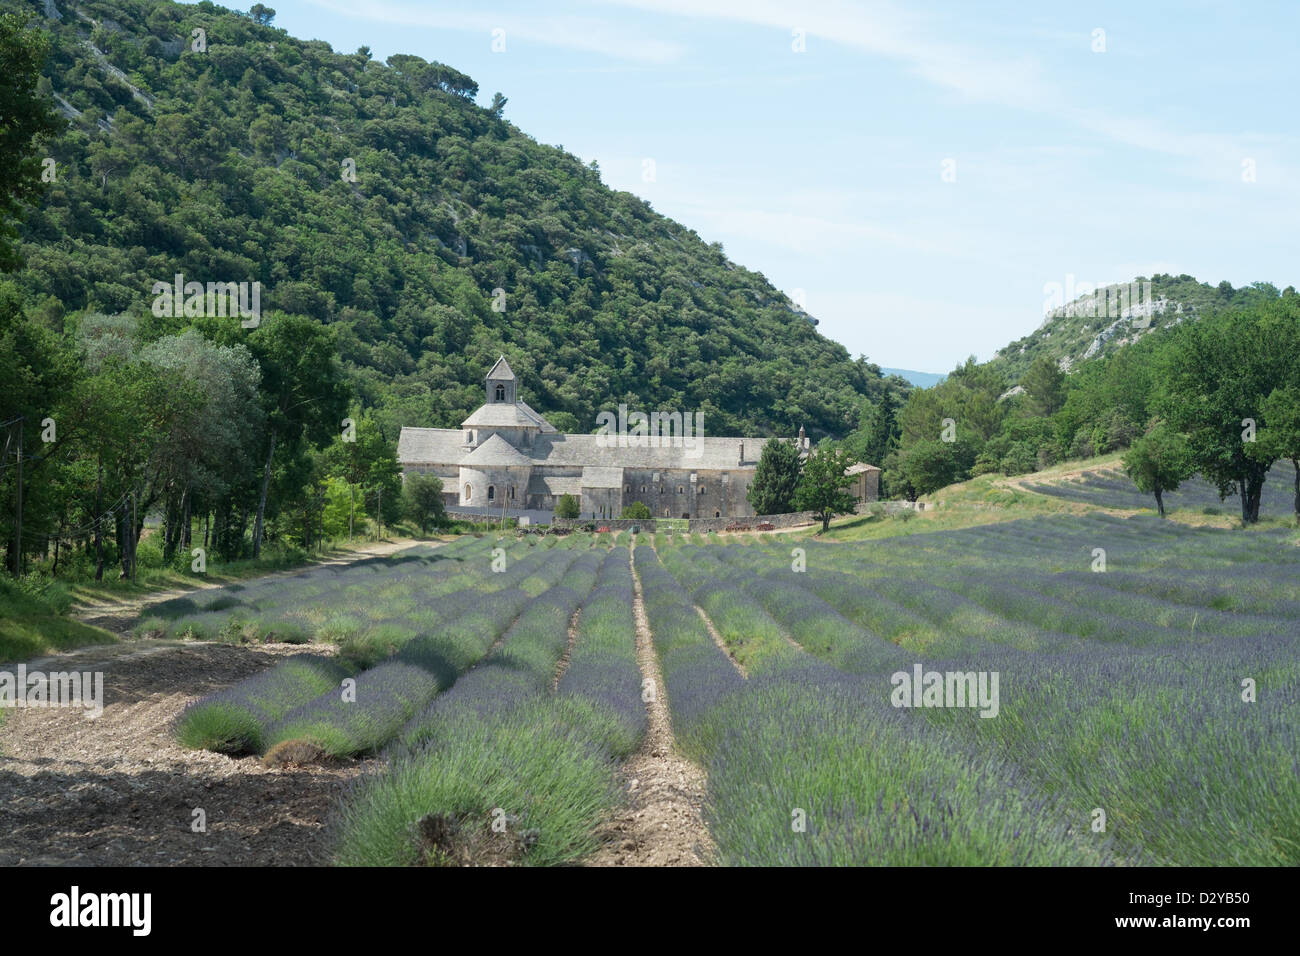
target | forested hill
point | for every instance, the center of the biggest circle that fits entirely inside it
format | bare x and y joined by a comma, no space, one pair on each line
1086,325
233,163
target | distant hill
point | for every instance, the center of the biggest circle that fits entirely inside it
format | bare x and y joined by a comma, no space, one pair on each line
1099,323
427,231
919,379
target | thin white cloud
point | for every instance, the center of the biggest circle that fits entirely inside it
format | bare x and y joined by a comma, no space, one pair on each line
588,34
975,74
882,30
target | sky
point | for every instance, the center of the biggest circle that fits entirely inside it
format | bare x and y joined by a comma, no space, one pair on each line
917,175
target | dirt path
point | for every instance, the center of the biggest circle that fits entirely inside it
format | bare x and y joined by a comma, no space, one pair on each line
722,645
563,664
662,824
117,790
119,614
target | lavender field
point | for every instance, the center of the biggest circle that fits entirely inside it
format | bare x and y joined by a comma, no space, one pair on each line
1106,691
1111,488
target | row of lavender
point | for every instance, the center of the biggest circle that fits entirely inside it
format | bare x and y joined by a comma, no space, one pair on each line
381,700
396,594
350,718
511,763
808,764
1161,710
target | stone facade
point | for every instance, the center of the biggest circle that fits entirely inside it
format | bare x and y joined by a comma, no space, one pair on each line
506,455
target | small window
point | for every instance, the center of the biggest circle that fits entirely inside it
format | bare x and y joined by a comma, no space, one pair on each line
492,492
643,489
627,489
469,492
512,492
717,514
679,489
501,393
701,490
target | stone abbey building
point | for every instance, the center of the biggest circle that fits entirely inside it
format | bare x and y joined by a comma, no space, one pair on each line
507,456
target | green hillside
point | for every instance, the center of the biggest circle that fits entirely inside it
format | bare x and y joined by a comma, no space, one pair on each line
1091,326
233,163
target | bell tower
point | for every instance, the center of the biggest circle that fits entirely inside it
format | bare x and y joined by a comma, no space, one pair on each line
501,384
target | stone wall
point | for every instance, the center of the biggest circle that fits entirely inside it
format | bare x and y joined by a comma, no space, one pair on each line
796,520
648,525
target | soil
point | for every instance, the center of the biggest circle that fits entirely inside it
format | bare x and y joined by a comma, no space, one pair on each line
662,822
117,790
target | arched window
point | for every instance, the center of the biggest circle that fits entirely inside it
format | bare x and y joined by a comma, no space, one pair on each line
469,492
501,393
627,489
512,492
679,489
717,514
492,492
643,489
701,491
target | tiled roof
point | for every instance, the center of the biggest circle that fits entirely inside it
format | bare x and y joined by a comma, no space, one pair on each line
501,371
496,452
500,415
542,422
446,446
424,446
860,468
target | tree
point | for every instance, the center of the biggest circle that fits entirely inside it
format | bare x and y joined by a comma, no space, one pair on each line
927,466
1158,462
261,15
303,392
1044,385
567,507
207,451
775,479
498,105
366,461
1217,374
638,510
1280,436
25,116
340,508
823,488
422,500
